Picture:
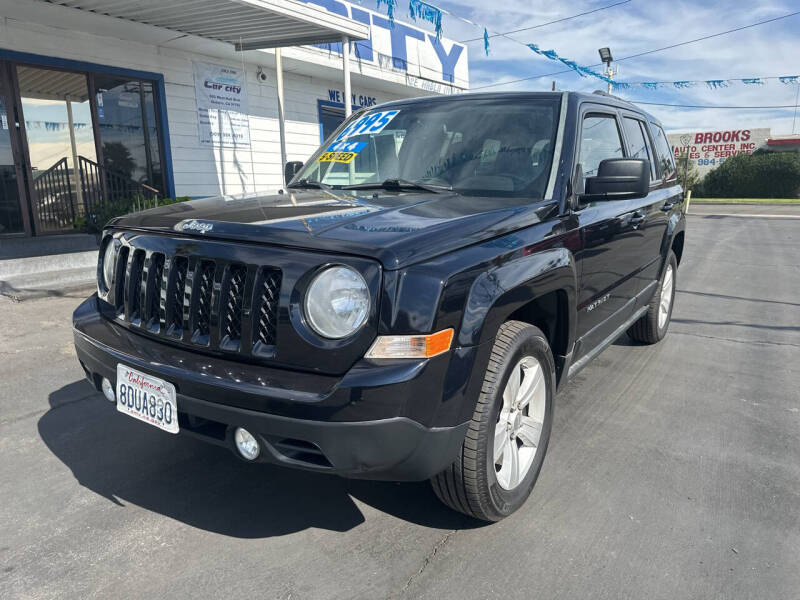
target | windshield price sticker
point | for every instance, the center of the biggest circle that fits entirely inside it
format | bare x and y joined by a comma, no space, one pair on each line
368,124
339,157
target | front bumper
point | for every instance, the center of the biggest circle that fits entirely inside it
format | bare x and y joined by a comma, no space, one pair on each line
393,420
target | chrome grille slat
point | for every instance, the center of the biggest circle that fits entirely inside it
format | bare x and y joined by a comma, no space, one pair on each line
120,271
266,315
176,292
232,298
133,287
200,314
153,317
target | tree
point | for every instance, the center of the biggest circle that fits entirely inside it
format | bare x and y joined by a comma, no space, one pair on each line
117,158
688,176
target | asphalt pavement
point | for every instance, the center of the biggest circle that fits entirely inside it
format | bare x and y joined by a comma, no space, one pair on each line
673,472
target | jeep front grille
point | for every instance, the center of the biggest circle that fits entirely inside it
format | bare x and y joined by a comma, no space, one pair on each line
222,306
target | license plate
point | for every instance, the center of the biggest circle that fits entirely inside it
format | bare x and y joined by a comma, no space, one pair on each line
147,398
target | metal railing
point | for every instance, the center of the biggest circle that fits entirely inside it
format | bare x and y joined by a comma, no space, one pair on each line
56,200
94,192
106,192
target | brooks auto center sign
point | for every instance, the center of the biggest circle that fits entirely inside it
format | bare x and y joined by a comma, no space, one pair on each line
709,149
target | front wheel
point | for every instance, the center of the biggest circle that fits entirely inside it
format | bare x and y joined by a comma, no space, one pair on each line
507,437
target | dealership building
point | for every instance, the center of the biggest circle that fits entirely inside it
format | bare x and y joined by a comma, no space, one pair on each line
188,98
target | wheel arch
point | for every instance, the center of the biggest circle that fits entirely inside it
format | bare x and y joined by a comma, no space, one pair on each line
540,289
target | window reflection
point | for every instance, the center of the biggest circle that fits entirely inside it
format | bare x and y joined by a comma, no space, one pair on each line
126,117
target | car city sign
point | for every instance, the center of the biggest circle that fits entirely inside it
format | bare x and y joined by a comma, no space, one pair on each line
400,47
709,149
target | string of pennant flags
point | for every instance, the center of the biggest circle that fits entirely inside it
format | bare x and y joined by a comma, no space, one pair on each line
418,9
653,85
712,84
32,125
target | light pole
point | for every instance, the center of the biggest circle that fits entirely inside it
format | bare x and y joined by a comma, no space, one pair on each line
605,56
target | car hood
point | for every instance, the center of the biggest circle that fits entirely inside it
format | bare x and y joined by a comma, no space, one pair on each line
396,228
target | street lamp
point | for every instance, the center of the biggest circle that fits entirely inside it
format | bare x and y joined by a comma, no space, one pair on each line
607,59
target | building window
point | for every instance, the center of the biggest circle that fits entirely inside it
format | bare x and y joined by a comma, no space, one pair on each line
128,128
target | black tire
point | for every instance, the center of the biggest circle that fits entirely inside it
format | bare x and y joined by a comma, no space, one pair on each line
470,485
646,329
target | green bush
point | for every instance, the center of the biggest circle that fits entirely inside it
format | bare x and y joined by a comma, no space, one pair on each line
760,175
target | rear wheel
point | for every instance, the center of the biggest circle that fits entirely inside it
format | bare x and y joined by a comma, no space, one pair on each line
505,444
653,325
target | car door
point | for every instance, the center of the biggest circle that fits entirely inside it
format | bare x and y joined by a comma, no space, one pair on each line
609,241
651,212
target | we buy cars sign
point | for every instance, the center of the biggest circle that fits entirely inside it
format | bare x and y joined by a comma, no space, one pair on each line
709,149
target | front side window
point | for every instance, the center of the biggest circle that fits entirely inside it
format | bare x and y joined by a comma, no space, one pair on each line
478,147
600,140
664,153
638,144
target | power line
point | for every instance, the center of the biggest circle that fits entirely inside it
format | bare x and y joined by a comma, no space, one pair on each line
713,105
708,37
588,12
700,39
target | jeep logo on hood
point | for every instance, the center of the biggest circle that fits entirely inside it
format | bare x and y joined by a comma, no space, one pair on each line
195,225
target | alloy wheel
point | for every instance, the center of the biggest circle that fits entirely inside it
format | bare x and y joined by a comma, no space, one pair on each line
519,426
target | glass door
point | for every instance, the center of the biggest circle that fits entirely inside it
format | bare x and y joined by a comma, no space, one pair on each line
59,131
13,213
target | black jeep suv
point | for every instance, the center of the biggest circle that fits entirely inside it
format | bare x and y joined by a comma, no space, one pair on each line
408,306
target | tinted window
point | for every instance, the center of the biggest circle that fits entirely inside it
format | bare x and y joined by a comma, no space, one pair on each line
478,147
600,139
638,144
666,161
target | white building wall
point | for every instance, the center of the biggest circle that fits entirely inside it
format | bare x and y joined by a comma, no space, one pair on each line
204,170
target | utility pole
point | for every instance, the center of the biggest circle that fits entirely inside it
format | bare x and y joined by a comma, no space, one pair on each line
605,56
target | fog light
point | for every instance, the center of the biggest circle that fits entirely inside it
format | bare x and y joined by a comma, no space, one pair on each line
108,390
246,444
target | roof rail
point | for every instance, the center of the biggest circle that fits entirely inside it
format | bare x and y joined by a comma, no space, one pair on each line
607,95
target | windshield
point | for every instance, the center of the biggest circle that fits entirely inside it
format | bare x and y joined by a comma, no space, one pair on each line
477,147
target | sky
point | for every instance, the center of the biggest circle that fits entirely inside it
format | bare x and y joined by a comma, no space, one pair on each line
767,50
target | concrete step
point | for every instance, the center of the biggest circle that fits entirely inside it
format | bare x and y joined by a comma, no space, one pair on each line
49,283
12,267
46,245
47,265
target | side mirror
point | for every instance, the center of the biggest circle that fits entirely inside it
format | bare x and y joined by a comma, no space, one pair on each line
291,169
619,179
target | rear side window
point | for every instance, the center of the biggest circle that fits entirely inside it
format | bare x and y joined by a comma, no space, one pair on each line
666,161
600,139
638,143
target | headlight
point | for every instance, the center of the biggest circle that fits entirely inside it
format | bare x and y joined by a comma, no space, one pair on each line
337,302
107,267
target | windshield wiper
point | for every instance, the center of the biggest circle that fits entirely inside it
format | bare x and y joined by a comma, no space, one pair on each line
398,184
310,183
318,185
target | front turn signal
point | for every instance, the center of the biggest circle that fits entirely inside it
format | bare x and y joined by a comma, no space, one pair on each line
411,346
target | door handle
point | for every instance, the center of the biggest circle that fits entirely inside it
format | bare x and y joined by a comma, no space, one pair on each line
638,218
